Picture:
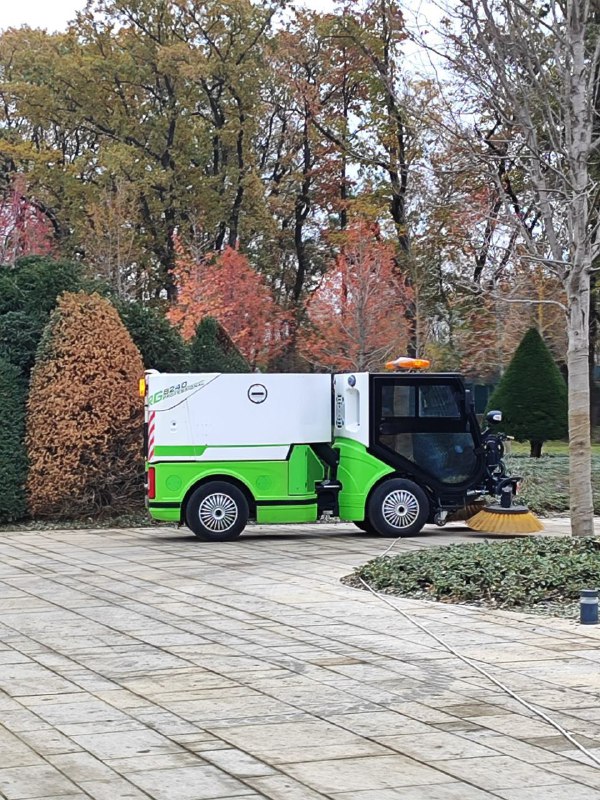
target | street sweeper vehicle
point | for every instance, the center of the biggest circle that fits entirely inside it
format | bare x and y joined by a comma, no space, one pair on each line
389,452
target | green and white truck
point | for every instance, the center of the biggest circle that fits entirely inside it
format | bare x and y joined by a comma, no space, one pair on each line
388,452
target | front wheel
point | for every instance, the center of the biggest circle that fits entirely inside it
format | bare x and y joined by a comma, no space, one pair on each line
217,512
398,508
365,526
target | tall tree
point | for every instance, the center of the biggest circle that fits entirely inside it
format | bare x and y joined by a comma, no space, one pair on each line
534,67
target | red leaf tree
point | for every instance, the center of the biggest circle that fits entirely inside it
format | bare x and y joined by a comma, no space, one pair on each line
224,286
24,229
358,312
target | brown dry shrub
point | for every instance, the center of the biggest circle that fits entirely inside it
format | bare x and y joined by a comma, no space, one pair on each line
84,415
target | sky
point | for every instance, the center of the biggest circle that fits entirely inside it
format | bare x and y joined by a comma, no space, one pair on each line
54,14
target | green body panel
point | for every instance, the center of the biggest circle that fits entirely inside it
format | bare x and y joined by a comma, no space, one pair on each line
165,514
358,472
305,470
268,481
276,483
179,450
282,515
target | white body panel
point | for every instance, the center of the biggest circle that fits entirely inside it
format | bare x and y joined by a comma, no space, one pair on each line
239,417
351,406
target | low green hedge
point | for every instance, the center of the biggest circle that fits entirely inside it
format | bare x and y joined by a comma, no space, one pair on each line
545,486
508,574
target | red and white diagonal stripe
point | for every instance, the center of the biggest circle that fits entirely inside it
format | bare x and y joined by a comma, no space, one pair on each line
151,434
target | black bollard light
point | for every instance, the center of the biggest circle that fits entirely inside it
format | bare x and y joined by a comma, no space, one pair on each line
588,607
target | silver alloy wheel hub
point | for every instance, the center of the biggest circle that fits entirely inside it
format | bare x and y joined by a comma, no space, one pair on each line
400,508
218,512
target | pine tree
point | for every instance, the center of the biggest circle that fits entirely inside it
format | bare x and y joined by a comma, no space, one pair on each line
211,350
13,458
84,415
532,395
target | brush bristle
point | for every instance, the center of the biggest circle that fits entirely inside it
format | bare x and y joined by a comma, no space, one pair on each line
462,514
494,521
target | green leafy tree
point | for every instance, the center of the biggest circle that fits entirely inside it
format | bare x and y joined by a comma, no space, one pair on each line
160,344
211,350
532,395
13,458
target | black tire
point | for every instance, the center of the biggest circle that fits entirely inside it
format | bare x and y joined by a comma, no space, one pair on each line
217,512
398,508
365,526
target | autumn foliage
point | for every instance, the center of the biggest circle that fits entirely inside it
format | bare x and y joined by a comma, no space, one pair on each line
24,230
358,312
225,287
84,416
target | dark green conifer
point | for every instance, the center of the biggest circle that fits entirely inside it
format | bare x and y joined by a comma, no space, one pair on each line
13,458
532,395
160,343
211,350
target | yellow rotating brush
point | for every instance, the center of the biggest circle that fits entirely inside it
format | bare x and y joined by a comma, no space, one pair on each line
463,514
514,520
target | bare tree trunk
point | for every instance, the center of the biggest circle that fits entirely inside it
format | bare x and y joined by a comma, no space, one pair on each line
579,129
580,462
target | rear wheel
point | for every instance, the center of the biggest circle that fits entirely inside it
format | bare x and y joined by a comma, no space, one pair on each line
398,508
217,512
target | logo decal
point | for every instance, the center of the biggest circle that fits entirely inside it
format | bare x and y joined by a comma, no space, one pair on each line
339,411
173,391
257,393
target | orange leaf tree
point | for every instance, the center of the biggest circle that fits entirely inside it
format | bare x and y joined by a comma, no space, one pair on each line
357,314
225,287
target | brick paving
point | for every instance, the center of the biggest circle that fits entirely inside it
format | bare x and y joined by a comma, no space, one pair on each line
141,663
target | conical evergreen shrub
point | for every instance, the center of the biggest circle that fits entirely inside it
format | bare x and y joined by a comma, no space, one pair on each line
84,415
532,395
211,350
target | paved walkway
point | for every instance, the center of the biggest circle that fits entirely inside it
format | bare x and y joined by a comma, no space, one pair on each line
144,664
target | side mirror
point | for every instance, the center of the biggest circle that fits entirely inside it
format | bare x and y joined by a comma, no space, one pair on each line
470,401
494,417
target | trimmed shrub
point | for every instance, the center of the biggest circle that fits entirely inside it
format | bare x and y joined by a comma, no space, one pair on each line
39,281
84,416
20,333
28,293
211,350
13,459
160,344
532,395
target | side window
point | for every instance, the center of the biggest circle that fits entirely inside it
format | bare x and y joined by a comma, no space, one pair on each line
398,401
427,425
438,401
